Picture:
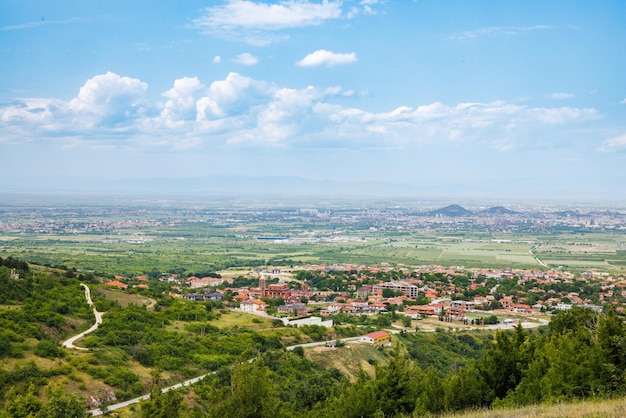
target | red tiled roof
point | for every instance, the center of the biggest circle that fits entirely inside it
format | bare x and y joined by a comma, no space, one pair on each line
377,334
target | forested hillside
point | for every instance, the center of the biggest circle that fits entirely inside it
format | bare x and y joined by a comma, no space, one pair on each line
580,355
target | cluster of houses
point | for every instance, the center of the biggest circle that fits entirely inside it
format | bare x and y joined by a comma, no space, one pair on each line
408,285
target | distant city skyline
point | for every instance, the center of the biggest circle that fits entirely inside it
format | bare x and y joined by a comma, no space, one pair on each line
482,98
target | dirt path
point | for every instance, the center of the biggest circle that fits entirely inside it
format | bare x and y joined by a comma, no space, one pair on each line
152,303
70,342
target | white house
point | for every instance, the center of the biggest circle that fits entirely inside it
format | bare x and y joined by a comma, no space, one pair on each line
253,305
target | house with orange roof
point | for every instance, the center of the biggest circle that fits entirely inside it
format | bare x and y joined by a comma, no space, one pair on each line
116,283
378,339
242,296
253,305
506,302
438,307
378,307
521,308
416,311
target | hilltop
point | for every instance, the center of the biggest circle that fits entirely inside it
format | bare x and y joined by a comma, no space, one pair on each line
497,210
451,211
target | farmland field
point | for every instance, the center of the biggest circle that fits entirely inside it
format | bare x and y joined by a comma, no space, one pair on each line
199,253
145,239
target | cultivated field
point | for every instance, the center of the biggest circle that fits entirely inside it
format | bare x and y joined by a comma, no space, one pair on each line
200,250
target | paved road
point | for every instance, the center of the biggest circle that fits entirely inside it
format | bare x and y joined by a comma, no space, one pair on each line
316,344
70,342
97,412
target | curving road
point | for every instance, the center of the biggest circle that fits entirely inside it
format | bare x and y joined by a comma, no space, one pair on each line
100,411
70,342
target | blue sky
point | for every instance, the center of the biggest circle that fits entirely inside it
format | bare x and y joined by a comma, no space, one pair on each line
488,96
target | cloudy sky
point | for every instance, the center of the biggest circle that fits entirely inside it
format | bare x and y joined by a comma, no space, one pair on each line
492,95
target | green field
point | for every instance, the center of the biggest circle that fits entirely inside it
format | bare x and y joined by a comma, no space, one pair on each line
119,254
196,247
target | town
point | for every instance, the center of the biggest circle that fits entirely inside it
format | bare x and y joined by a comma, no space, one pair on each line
315,294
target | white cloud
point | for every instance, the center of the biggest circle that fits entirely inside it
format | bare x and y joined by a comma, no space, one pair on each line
561,96
216,59
250,21
285,14
260,23
239,110
181,105
246,59
496,31
108,99
327,58
561,115
623,101
234,95
614,144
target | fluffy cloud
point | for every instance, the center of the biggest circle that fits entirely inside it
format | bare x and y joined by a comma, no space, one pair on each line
108,99
246,59
239,110
181,105
235,95
327,58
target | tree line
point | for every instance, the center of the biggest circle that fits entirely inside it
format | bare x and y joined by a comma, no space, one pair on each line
579,356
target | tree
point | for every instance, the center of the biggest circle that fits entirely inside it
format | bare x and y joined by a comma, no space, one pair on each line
61,405
252,392
465,390
397,386
432,397
500,367
21,406
162,405
406,321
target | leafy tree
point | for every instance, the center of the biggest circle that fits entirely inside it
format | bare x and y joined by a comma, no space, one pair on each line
465,389
501,367
252,392
46,348
406,321
432,395
61,405
355,400
21,405
162,405
397,386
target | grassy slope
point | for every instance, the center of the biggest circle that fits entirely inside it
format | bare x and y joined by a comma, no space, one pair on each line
588,409
349,359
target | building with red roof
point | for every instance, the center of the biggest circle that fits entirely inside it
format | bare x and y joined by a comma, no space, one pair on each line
377,338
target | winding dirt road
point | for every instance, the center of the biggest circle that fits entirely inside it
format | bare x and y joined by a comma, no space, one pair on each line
70,342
